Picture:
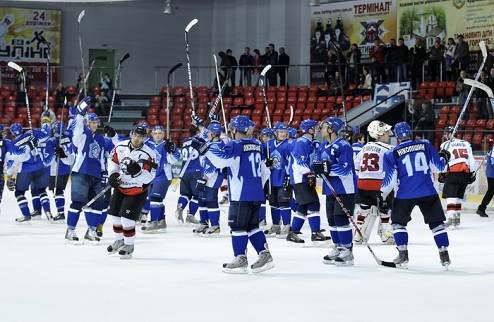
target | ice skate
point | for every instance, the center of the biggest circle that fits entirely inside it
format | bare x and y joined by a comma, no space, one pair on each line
150,227
401,260
90,237
113,248
264,262
319,239
481,213
179,215
283,232
213,231
48,215
237,266
444,257
201,229
23,219
126,251
99,230
161,226
333,254
293,238
60,218
274,230
71,237
449,223
36,215
191,220
345,258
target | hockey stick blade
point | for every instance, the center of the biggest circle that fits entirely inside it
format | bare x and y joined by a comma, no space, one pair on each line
13,65
265,70
191,24
124,58
174,68
291,115
482,86
83,12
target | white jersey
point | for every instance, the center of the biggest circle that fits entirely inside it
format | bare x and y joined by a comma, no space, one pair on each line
461,156
369,165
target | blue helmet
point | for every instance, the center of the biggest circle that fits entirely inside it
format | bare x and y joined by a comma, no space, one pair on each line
16,129
144,125
402,130
306,125
280,126
336,123
59,127
292,132
267,131
241,123
215,128
157,128
91,117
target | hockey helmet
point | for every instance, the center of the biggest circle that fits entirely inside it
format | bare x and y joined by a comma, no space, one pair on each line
139,130
16,129
292,132
335,123
377,129
267,131
92,117
158,128
241,123
59,127
306,125
215,128
144,125
280,126
448,130
402,130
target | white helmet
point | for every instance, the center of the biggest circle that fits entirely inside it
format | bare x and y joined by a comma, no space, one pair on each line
377,129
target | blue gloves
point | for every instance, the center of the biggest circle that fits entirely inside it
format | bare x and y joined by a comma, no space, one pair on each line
200,145
83,105
196,120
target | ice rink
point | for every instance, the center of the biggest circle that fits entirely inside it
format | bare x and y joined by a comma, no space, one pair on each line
175,276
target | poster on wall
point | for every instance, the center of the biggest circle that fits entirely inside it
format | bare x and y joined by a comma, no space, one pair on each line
30,37
339,25
445,19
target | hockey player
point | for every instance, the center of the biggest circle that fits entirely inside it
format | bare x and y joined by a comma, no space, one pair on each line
358,141
408,169
166,155
86,173
131,180
460,173
303,180
208,186
59,157
247,174
369,165
266,134
335,165
281,191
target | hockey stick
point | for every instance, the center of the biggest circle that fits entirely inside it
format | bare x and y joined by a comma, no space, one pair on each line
349,216
124,58
59,145
482,86
291,115
45,42
221,88
262,83
22,71
79,19
86,78
190,25
170,72
180,175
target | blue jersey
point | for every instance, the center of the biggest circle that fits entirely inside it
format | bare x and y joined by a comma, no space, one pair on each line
489,167
300,159
164,161
90,157
51,161
35,161
409,167
12,155
279,151
187,153
356,147
342,176
213,174
246,172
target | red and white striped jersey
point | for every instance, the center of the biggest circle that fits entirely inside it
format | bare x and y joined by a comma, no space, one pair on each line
369,165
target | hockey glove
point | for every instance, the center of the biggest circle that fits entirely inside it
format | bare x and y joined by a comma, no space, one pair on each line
286,181
445,154
59,152
133,169
473,177
11,183
311,179
382,204
169,147
83,105
110,131
114,180
269,162
322,167
215,118
32,143
196,120
441,178
200,145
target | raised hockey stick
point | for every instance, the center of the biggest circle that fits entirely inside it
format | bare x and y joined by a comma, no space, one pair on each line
45,42
220,92
59,145
86,77
262,81
482,86
190,25
221,88
291,115
170,72
79,19
349,216
22,71
124,58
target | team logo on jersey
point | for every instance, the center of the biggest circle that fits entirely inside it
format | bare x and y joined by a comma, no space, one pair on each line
277,163
94,150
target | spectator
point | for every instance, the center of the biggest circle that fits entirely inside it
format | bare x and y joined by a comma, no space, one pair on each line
461,58
284,61
417,57
410,114
401,57
257,67
448,58
101,103
331,62
273,61
106,85
436,59
391,60
376,72
80,82
60,96
234,63
426,121
378,52
336,84
354,55
365,83
462,89
482,105
246,62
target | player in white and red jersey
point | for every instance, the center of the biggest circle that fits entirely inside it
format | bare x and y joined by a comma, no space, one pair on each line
461,172
369,166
